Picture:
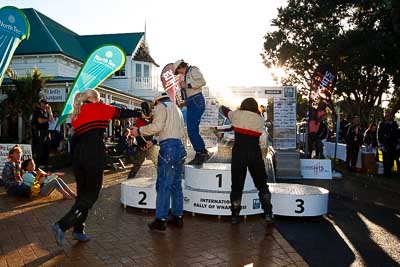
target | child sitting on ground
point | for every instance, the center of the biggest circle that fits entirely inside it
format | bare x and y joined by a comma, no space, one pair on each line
11,175
48,183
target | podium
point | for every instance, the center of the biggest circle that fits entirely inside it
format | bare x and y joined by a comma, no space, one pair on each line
206,190
139,193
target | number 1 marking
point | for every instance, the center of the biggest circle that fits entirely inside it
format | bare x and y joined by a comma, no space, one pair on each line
219,176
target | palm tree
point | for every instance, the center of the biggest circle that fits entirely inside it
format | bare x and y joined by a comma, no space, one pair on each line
21,99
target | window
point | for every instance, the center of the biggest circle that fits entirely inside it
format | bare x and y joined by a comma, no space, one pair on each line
146,71
121,72
138,68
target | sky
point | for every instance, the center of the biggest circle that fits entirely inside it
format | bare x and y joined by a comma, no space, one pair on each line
223,38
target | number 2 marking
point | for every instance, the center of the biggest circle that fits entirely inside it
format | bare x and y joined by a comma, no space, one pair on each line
141,202
219,176
300,204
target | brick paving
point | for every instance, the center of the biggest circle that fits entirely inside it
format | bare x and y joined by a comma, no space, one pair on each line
120,236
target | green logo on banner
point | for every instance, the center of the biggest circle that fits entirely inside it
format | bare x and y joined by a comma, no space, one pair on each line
100,65
14,27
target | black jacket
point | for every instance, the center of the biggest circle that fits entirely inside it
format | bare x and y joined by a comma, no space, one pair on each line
387,133
352,138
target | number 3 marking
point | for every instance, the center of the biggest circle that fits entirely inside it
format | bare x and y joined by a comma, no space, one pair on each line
141,202
300,204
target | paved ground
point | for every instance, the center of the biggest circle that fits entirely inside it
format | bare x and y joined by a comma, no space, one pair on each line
361,229
120,237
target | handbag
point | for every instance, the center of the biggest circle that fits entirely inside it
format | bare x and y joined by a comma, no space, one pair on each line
35,188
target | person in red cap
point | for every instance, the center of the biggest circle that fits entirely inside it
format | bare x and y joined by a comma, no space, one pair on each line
193,83
142,153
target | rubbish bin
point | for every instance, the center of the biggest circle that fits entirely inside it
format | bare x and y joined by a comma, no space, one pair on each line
368,162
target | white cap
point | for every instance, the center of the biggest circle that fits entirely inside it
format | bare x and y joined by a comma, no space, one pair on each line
176,64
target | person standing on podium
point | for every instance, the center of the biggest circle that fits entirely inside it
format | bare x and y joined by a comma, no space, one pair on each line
193,83
168,125
248,126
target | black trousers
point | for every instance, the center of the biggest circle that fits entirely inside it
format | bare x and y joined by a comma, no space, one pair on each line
315,143
41,146
388,160
243,157
88,166
352,155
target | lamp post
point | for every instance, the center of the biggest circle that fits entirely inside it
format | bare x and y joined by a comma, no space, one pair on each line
336,173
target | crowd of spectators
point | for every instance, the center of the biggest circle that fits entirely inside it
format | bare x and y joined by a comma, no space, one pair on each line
384,136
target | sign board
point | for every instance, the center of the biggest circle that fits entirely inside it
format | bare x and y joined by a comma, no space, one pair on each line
258,92
56,94
210,116
285,121
316,168
219,203
5,148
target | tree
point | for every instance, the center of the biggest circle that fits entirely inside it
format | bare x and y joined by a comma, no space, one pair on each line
355,37
22,98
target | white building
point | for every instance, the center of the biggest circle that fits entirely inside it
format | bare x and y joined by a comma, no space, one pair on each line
60,53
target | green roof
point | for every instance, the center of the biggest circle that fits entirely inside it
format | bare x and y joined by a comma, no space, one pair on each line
49,37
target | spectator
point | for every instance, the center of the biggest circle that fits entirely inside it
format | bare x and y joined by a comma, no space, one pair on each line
344,124
55,132
263,111
387,139
48,183
354,138
41,138
12,174
126,146
371,139
117,130
315,140
142,153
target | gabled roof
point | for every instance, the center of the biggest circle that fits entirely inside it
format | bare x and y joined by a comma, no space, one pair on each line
49,37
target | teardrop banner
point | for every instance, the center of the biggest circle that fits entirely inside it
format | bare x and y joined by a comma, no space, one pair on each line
14,28
101,64
170,82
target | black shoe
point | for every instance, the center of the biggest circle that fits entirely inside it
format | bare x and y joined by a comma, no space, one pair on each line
131,175
197,160
158,224
235,218
176,221
205,156
269,218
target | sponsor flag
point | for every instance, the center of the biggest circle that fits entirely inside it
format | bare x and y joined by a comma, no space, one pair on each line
170,83
321,91
14,28
101,64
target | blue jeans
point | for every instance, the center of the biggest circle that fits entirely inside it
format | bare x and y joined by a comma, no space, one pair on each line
171,160
195,109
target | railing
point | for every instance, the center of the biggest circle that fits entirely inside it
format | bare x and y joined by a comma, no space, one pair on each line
143,83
